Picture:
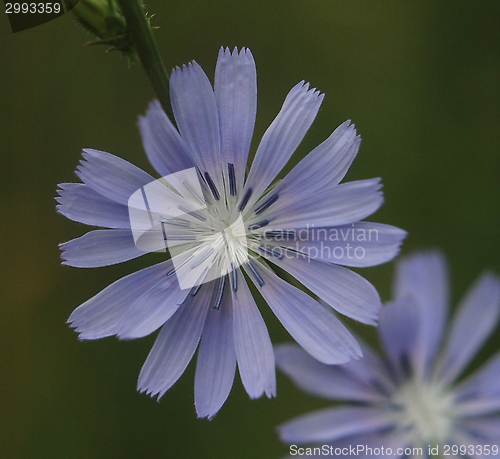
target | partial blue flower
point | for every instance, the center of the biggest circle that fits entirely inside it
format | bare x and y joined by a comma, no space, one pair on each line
412,396
307,224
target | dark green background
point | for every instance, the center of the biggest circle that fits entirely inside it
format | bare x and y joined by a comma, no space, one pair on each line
421,80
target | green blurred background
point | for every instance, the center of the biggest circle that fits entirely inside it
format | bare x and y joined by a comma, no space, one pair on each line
421,80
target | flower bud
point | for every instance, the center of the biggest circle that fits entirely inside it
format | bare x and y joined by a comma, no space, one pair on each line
105,20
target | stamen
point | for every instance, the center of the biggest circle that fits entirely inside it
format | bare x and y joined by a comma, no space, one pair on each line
196,290
163,231
285,234
212,186
146,203
180,237
182,264
234,278
220,291
266,204
201,259
255,274
245,199
258,225
192,213
199,283
232,179
271,252
194,192
405,364
176,222
374,382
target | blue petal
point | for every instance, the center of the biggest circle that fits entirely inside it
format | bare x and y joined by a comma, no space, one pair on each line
254,351
152,309
479,394
100,248
344,290
195,110
110,176
283,137
398,330
335,382
235,89
333,424
216,363
166,149
80,203
98,317
476,319
175,345
485,428
325,166
313,326
424,276
340,205
371,369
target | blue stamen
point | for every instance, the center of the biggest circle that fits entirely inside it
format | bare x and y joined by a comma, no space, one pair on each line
182,264
201,259
192,213
270,252
175,222
266,204
180,237
146,203
163,231
234,278
232,179
198,285
194,192
245,199
285,234
258,225
255,274
212,186
220,291
196,290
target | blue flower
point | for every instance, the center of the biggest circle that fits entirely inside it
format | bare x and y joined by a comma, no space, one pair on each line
410,398
307,225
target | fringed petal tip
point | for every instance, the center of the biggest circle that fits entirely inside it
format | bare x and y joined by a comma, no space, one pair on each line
153,108
85,335
153,393
186,68
62,187
83,330
226,51
304,86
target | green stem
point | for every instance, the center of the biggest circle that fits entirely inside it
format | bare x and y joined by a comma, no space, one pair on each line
147,50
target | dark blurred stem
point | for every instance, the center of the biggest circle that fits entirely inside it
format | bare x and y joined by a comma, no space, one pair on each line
146,50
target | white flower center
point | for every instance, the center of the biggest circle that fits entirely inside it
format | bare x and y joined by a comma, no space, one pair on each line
426,409
202,226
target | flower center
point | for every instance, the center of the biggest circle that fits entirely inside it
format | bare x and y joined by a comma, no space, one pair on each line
204,225
425,409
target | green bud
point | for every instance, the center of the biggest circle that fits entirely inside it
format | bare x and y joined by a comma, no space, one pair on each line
105,20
